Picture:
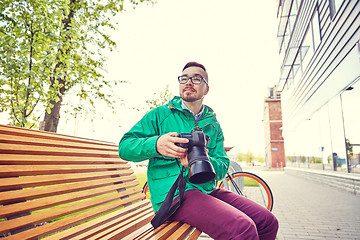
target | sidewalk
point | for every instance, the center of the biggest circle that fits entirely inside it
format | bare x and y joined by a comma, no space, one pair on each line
309,210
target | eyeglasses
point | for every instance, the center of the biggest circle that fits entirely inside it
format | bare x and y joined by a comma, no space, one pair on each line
195,79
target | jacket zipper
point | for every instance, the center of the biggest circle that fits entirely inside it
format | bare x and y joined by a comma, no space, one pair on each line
196,122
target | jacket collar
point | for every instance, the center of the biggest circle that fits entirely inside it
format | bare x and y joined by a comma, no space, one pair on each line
175,103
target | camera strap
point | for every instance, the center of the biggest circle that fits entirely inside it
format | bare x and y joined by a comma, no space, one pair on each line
166,210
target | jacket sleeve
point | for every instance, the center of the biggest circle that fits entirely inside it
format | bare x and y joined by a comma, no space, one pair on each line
218,157
139,143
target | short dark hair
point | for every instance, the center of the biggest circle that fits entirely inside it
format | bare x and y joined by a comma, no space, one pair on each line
194,64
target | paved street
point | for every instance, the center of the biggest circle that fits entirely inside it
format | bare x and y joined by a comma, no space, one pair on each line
309,210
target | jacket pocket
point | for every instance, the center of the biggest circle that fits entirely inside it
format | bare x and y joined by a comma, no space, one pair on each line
161,176
212,144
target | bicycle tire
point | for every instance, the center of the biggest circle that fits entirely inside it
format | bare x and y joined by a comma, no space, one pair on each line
146,191
263,194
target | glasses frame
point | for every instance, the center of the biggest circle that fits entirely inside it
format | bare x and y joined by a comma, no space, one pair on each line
191,78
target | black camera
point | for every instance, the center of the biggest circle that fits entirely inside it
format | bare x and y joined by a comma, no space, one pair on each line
200,168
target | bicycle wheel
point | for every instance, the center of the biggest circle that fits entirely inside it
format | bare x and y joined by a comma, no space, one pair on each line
250,186
146,191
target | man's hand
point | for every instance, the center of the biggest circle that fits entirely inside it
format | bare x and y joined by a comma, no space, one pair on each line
165,145
184,161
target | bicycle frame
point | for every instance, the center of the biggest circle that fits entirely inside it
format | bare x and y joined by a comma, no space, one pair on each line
238,190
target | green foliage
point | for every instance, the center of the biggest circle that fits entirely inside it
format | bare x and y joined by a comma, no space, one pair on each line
249,158
48,47
316,160
349,148
159,99
329,159
142,178
291,158
303,159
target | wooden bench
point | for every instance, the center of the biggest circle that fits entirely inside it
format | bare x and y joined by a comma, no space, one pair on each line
63,187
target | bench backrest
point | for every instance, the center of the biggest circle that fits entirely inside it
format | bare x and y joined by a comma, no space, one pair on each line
58,183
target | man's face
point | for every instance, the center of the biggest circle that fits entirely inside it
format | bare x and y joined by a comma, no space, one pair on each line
190,92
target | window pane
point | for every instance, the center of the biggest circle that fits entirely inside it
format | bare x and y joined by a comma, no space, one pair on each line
307,49
338,4
316,30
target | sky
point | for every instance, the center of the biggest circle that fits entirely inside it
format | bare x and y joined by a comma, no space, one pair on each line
235,40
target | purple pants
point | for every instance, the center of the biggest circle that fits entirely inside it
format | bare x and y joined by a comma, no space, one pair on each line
226,215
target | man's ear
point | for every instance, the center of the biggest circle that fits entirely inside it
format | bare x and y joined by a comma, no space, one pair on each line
207,90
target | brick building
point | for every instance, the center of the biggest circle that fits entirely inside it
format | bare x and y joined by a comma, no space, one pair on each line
274,141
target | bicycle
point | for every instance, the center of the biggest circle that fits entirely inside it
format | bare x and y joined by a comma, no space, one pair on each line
243,183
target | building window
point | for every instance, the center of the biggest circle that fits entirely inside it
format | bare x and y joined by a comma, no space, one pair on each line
315,26
306,49
309,45
334,6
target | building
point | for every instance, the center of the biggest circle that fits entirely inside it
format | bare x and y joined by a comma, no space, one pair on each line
319,48
274,142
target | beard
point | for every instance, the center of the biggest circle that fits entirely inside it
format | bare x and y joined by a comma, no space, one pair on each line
190,96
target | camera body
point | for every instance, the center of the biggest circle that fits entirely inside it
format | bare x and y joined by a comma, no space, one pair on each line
200,169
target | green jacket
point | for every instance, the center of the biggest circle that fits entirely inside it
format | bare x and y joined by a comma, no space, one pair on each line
140,144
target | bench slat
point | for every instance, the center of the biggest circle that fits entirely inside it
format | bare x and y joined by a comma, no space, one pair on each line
54,213
52,227
9,130
51,200
166,231
150,232
12,183
141,232
181,232
162,232
120,226
128,227
30,140
194,235
46,150
26,170
22,159
94,225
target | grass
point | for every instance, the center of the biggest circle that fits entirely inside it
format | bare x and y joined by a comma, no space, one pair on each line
249,182
142,178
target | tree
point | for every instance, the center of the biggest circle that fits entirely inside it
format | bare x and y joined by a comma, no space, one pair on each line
49,47
249,157
260,158
349,148
159,99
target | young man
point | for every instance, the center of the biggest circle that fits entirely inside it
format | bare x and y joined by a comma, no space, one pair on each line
218,212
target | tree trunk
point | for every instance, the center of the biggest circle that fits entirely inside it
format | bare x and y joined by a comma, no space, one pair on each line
51,120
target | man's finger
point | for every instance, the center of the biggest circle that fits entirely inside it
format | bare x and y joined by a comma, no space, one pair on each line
184,161
179,140
175,154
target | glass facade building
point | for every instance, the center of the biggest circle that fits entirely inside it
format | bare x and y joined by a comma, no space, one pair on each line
319,48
